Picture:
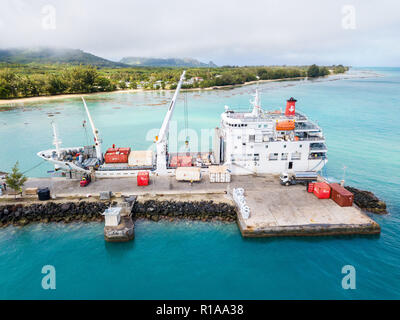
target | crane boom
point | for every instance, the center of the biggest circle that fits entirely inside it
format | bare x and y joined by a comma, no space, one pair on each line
161,140
165,126
97,141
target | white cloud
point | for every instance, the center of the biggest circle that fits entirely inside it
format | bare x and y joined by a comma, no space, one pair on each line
227,32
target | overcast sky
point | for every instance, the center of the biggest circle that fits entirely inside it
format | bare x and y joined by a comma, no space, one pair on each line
245,32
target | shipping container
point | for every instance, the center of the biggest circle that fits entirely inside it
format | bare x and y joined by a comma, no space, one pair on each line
341,196
181,161
124,150
322,190
115,157
219,174
143,178
112,150
140,158
188,174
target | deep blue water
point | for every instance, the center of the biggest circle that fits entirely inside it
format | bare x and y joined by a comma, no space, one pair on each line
360,117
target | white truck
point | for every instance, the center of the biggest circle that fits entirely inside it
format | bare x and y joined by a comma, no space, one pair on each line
302,177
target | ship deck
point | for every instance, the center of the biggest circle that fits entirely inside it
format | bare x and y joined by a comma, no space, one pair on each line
275,210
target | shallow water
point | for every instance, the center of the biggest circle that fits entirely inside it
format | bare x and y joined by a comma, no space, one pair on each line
360,118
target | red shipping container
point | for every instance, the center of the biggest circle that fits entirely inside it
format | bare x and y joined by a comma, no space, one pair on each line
116,158
181,161
311,187
124,150
143,178
112,150
322,190
341,196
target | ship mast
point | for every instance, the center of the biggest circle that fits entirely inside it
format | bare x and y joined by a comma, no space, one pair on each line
97,141
256,105
161,139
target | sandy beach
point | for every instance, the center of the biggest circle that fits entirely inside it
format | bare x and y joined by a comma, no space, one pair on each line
22,101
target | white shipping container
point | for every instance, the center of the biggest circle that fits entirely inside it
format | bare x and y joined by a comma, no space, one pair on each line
188,174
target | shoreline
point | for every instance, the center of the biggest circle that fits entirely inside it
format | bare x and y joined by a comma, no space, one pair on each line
15,102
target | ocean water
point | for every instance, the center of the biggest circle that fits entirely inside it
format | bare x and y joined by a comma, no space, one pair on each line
360,115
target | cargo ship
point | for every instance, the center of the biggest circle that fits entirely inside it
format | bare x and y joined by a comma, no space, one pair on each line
249,142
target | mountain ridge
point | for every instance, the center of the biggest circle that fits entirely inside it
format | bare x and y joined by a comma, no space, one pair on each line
166,62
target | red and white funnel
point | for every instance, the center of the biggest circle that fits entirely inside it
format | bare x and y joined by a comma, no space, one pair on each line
290,107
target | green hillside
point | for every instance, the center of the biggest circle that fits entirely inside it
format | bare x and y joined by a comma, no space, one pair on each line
171,62
55,56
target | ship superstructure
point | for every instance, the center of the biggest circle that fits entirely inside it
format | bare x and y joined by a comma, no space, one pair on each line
259,141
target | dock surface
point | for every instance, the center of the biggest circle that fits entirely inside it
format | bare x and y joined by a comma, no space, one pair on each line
291,211
276,210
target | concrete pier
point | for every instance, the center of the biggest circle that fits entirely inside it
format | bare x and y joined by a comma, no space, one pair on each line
276,210
291,211
121,233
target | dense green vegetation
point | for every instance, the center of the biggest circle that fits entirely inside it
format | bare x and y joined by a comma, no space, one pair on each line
30,80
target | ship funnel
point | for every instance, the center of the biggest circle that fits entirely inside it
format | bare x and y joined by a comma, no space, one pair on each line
290,107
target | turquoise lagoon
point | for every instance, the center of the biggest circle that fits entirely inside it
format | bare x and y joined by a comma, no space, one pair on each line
360,115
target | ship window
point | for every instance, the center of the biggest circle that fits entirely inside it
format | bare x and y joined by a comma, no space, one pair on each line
273,156
252,138
284,156
284,145
266,146
239,137
259,125
296,156
301,146
265,125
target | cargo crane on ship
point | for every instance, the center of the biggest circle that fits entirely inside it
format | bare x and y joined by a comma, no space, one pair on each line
252,142
83,161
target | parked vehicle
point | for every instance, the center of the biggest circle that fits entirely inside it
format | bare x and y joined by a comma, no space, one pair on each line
85,181
298,177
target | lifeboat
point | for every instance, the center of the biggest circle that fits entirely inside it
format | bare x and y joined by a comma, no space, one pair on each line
285,125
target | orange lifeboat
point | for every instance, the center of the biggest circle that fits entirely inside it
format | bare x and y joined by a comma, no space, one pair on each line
285,125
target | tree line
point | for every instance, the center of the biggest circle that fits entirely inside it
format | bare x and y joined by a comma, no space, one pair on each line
17,81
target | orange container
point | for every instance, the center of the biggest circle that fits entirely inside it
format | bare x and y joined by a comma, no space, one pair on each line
285,125
143,178
322,190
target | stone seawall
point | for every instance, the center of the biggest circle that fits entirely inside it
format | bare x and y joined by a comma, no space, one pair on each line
85,211
67,212
368,201
173,210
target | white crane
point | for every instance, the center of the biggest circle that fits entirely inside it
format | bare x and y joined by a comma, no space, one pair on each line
97,141
56,141
161,139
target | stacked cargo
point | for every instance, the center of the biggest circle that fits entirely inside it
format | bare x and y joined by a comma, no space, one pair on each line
140,158
188,174
310,187
117,155
181,161
322,190
219,174
341,196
